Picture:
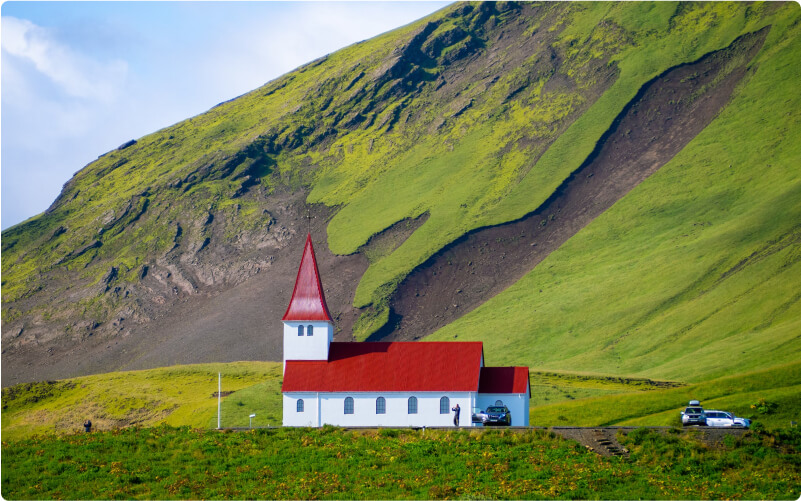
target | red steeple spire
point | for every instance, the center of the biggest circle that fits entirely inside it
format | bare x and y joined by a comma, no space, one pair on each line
308,300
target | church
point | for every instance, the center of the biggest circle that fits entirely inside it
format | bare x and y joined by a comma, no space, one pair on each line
394,384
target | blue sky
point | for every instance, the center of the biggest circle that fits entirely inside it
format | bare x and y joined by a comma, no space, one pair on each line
80,78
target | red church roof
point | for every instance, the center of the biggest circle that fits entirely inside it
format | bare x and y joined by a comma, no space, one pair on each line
504,380
384,367
308,300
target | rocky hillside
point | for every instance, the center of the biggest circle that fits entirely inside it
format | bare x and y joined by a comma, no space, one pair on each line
405,155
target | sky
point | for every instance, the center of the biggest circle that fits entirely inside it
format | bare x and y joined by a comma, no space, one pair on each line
78,79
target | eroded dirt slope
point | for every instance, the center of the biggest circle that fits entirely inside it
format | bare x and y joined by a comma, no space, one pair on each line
665,115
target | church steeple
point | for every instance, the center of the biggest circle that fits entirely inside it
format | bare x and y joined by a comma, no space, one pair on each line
308,299
308,328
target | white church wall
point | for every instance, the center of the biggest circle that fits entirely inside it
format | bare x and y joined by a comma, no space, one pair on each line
518,404
310,415
332,409
305,347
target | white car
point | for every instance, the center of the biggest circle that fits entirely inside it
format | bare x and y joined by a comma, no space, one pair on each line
725,419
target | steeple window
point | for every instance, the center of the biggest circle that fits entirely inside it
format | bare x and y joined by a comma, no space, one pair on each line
300,330
310,330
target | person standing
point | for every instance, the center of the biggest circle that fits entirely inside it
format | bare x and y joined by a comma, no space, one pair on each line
456,411
87,425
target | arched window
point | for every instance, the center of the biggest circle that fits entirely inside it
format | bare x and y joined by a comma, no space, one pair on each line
380,405
348,405
499,402
310,330
444,405
300,330
300,405
412,405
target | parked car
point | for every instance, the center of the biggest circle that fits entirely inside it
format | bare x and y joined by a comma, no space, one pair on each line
498,415
495,415
726,419
693,415
479,416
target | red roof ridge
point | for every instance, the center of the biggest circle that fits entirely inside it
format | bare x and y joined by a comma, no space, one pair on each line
389,367
308,298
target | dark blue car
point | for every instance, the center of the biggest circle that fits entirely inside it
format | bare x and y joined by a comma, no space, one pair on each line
495,415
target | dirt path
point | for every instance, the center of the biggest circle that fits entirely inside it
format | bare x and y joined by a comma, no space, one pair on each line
665,115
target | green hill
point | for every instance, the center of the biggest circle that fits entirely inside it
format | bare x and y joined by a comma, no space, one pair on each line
187,396
404,144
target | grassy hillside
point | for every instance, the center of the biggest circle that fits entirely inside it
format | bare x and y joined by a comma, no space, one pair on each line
473,117
695,274
780,387
168,463
185,396
477,183
177,396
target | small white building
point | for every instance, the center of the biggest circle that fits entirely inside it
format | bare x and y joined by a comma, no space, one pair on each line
383,384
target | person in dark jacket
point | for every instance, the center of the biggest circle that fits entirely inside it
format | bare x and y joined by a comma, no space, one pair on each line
87,425
456,410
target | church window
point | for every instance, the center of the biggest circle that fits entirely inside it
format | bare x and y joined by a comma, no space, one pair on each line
300,330
380,405
310,330
412,405
499,402
444,405
349,405
300,405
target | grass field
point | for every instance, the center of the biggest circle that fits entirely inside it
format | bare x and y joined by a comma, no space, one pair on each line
138,453
178,463
184,396
177,396
780,386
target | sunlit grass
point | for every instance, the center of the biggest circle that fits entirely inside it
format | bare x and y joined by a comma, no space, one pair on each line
178,396
170,463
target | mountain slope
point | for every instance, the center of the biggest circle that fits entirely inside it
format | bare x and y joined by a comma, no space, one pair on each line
181,246
695,273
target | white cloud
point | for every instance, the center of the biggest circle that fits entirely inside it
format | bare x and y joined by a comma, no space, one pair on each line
258,50
72,72
84,77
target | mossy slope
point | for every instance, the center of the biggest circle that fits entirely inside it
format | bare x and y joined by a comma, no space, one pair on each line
693,275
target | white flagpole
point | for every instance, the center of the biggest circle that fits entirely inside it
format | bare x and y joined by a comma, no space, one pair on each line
219,397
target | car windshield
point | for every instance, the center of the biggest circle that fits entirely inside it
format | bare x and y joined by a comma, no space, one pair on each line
693,410
496,409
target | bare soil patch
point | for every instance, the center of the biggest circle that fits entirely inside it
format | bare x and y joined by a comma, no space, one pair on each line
211,325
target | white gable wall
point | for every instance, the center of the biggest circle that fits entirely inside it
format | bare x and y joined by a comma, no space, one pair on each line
518,404
331,409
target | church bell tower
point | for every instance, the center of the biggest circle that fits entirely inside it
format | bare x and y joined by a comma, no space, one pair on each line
308,328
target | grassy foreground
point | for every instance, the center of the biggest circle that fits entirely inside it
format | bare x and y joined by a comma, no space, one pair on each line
178,463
